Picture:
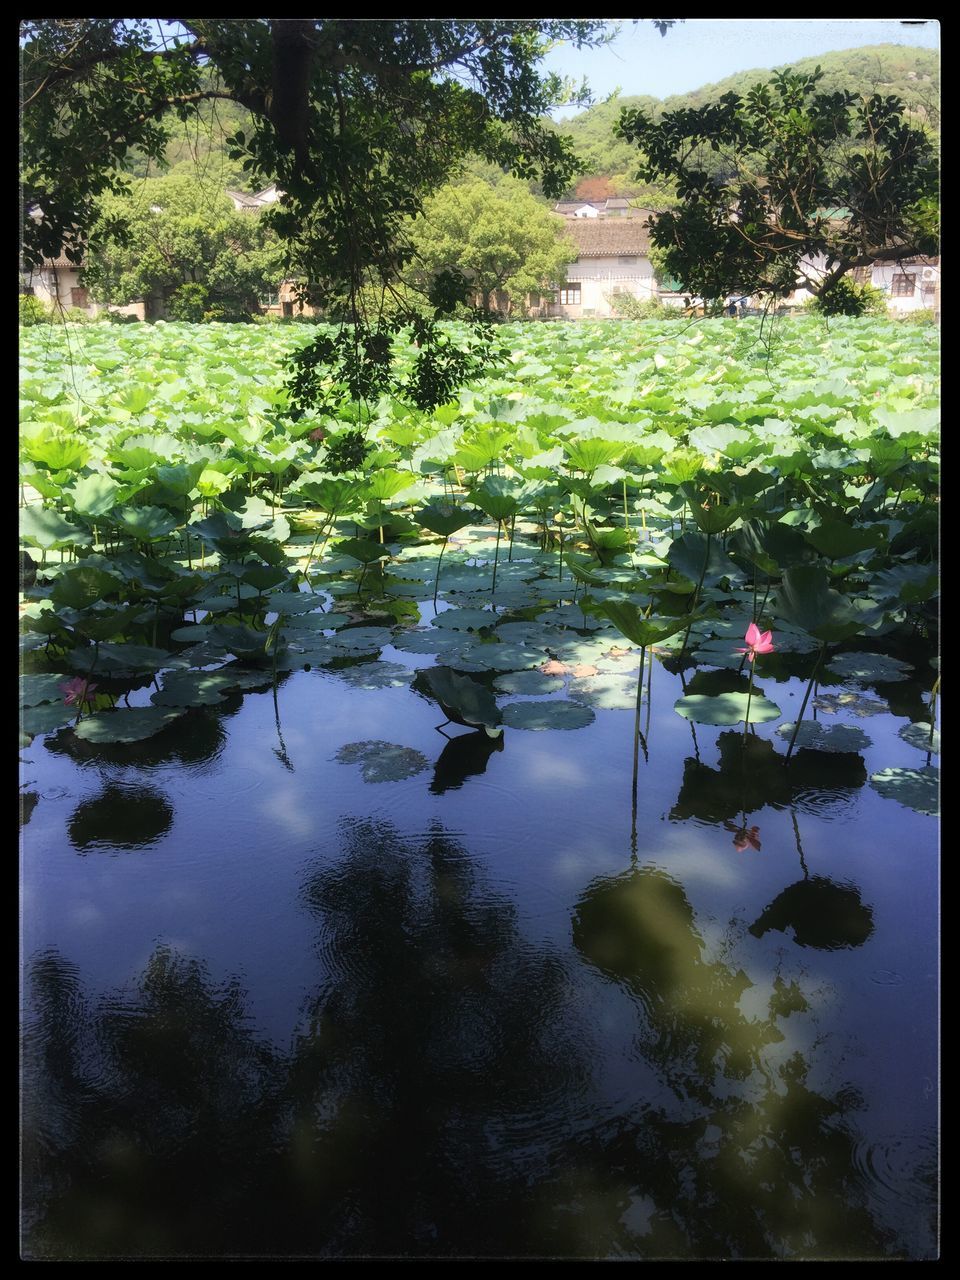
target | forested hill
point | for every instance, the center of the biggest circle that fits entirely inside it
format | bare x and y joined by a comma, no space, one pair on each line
911,74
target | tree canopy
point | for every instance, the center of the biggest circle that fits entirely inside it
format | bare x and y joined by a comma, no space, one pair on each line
783,180
500,240
188,245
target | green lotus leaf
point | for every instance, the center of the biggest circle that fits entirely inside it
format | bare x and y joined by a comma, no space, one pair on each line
466,619
528,682
463,700
362,550
556,714
127,724
132,657
918,789
444,518
819,737
918,735
82,585
498,496
94,495
855,703
688,552
726,708
837,539
146,524
191,689
46,718
608,692
49,530
375,675
35,689
630,621
806,599
869,667
360,639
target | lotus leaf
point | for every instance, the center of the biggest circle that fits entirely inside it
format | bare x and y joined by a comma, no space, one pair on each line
918,789
556,714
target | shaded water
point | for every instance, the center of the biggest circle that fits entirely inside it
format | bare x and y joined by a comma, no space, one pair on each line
272,1008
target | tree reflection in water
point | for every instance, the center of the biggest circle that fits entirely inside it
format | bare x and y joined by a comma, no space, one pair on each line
442,1097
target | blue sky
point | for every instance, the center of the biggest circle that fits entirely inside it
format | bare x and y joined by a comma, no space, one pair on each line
701,51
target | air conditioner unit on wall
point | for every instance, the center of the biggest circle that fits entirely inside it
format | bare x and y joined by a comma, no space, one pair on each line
929,273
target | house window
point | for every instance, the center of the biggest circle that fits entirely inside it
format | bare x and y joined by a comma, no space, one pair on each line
570,296
904,285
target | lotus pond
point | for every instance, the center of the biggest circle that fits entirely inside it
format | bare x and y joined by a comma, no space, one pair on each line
414,864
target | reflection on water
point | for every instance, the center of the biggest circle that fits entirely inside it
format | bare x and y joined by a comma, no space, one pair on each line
820,912
123,816
444,1094
752,774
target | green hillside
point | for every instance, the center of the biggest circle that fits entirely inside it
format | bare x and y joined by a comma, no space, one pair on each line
910,74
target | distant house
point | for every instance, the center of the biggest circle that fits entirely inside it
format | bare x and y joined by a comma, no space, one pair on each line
250,203
613,257
910,284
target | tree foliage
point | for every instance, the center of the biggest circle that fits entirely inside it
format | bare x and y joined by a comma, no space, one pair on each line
357,122
783,177
188,245
500,240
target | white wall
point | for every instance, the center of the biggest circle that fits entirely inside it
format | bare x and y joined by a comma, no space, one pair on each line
598,278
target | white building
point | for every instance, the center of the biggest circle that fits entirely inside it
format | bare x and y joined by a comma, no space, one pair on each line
613,258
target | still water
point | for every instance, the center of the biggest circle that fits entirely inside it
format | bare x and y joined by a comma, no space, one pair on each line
275,1006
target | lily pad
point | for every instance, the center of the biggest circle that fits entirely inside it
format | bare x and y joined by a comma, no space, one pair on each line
127,725
375,675
466,619
869,667
547,715
726,708
819,737
918,735
46,718
856,703
383,761
609,692
191,689
526,682
361,639
918,789
35,689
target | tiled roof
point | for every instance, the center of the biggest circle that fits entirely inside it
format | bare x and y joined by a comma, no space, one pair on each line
609,237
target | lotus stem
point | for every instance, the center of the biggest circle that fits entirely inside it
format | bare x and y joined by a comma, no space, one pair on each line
636,738
496,556
436,581
806,696
746,718
513,525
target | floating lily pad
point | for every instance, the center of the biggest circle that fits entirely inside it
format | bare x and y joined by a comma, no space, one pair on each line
375,675
819,737
127,725
383,761
191,689
869,667
856,703
547,715
726,708
46,718
918,789
35,689
505,657
526,682
609,692
918,735
442,643
466,619
360,639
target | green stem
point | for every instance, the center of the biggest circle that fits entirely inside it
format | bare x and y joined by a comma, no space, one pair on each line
636,740
696,597
496,556
806,696
436,581
746,718
513,525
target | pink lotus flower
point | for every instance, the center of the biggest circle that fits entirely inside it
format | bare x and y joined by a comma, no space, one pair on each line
744,837
78,690
757,642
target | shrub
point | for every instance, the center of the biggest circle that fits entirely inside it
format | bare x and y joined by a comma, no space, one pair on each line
32,310
628,307
188,303
847,298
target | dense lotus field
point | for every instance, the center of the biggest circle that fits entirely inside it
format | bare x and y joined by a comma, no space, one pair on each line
609,497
